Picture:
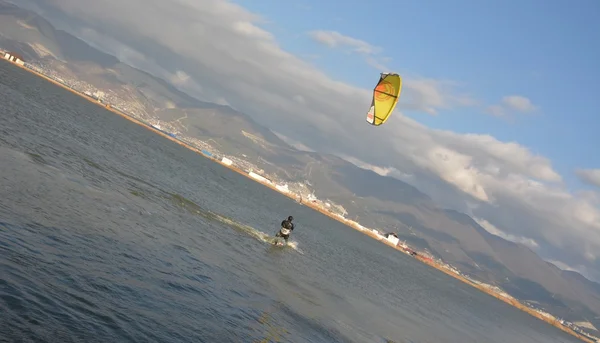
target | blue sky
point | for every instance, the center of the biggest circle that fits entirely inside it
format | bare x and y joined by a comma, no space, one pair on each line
547,51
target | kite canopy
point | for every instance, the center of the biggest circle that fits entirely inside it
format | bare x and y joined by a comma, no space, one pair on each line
385,98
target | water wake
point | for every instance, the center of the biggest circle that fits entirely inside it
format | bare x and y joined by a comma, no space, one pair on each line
259,235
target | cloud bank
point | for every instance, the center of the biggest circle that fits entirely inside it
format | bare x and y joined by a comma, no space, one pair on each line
512,104
589,176
218,51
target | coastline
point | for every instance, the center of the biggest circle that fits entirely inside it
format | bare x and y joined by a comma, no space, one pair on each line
511,301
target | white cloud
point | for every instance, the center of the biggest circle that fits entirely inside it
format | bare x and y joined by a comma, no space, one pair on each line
221,46
293,143
518,103
431,95
489,227
581,269
512,103
335,39
496,110
589,176
383,171
180,77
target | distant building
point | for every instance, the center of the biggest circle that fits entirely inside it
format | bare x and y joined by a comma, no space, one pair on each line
14,57
392,238
283,188
259,177
227,161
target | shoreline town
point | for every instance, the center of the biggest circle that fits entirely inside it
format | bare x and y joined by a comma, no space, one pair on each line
390,240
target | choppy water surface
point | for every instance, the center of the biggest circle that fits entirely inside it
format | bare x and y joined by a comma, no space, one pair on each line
110,233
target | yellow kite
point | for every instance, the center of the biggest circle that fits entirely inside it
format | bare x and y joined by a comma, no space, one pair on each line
385,98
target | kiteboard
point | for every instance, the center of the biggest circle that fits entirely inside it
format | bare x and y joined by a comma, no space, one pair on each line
278,241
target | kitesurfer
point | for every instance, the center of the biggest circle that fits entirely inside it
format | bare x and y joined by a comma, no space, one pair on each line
286,228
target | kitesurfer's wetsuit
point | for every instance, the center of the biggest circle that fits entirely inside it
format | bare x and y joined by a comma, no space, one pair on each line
286,228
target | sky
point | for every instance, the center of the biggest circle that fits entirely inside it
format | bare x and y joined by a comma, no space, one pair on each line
491,50
497,116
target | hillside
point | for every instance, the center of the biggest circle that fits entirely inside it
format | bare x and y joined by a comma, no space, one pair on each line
375,200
